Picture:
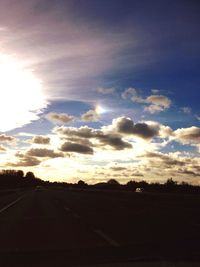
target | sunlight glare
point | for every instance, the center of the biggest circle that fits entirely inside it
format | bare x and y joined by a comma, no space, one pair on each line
100,110
21,94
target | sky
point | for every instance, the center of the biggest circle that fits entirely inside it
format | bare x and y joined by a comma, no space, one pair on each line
98,90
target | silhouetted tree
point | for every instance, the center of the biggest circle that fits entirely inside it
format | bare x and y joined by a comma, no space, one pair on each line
170,185
170,182
20,173
81,183
30,175
113,182
132,185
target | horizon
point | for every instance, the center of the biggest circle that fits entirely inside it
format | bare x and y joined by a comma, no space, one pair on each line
95,91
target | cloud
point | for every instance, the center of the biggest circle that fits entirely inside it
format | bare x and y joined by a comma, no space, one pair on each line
61,118
156,103
189,172
186,110
155,91
82,141
153,109
117,168
82,132
43,140
90,116
189,135
7,138
125,125
104,139
180,166
24,161
165,158
114,141
128,93
159,100
197,117
112,135
43,153
75,147
2,148
106,91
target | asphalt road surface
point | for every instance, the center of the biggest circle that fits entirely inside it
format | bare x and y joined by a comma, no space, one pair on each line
47,226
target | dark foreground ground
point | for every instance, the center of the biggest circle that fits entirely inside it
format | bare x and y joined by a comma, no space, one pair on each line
47,226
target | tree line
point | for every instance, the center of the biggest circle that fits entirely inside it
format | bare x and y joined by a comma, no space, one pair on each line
17,178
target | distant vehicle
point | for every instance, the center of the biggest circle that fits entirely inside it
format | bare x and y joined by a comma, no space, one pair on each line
139,190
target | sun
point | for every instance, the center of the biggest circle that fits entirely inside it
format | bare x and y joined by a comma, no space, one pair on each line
21,94
100,110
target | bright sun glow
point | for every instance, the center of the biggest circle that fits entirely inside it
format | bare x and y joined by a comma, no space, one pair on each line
21,94
100,110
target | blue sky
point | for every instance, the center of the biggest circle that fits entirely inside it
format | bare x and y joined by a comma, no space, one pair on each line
127,72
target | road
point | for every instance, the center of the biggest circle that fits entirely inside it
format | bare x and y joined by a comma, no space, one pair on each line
48,226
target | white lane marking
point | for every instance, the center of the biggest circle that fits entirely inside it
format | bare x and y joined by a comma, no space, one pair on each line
107,238
10,204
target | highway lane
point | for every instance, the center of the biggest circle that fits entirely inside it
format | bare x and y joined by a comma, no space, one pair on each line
79,227
8,196
40,222
132,218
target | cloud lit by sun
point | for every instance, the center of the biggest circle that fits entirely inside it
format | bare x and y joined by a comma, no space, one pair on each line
21,94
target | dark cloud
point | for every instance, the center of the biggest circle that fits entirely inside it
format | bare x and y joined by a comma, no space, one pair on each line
118,168
82,132
42,140
61,118
43,153
188,172
110,139
138,174
24,161
90,116
126,126
82,141
166,159
75,147
7,138
114,141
